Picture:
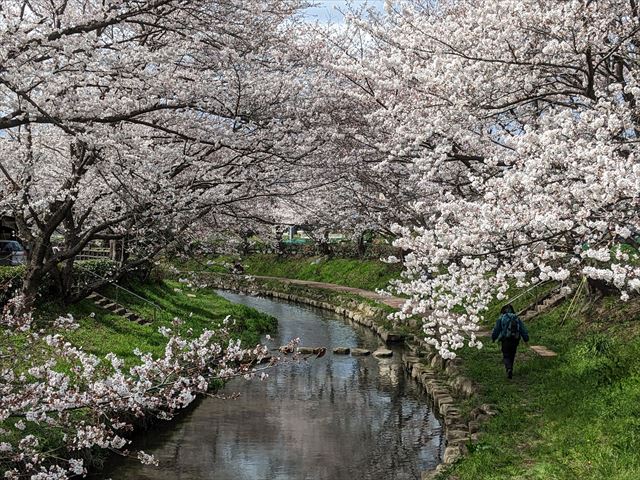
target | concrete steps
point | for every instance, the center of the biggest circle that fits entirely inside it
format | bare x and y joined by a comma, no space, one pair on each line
108,304
551,300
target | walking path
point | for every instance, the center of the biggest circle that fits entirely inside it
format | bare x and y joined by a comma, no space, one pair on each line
395,302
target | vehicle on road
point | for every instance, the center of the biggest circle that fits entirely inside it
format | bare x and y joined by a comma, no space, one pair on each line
12,253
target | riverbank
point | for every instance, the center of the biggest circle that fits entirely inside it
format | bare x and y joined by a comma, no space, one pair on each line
365,274
101,332
570,416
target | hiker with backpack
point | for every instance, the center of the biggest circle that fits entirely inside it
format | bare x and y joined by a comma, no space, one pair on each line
508,330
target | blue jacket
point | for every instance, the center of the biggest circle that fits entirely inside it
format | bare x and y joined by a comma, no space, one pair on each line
500,330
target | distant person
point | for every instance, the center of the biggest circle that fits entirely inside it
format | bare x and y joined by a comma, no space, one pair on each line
508,330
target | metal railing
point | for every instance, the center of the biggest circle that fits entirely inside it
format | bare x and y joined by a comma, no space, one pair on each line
95,254
155,306
534,298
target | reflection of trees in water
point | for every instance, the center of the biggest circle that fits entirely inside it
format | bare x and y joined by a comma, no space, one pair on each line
335,417
362,422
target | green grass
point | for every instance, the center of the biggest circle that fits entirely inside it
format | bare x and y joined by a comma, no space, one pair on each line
199,309
576,416
358,273
105,332
365,274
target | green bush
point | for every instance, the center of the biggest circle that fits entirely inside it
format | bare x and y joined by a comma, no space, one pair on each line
10,281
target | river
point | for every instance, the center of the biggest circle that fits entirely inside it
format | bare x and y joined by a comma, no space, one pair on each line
337,417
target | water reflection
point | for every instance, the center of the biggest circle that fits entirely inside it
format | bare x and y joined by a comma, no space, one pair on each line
338,417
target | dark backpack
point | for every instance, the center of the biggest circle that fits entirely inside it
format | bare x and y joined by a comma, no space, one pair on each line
512,327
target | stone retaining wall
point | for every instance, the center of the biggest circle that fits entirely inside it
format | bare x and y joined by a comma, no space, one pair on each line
440,378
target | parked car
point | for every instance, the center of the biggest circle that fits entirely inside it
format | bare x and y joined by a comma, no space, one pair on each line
12,253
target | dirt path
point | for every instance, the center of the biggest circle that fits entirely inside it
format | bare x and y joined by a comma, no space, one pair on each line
392,301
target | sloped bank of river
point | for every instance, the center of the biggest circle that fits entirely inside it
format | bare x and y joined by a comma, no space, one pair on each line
337,417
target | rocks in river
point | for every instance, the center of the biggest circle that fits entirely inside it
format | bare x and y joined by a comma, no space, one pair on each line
341,350
382,353
317,351
358,352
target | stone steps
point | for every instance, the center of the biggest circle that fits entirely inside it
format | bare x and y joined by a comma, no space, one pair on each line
551,300
108,304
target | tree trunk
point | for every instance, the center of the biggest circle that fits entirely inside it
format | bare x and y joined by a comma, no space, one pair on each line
323,245
31,284
66,280
361,245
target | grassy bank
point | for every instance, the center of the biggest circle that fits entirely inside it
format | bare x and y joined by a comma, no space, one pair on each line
573,416
199,309
366,274
101,332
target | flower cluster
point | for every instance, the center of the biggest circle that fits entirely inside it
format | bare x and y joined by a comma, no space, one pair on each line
49,383
507,132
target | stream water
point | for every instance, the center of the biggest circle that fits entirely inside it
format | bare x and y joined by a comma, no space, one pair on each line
337,417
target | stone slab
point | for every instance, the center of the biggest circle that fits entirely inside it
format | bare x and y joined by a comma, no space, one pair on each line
341,350
360,352
543,351
383,353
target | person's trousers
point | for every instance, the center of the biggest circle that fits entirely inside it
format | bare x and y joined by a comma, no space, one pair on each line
509,347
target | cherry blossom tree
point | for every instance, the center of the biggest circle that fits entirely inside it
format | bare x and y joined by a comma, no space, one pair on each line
362,191
131,120
520,122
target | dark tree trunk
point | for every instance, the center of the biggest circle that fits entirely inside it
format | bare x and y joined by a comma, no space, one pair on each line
31,284
361,245
600,288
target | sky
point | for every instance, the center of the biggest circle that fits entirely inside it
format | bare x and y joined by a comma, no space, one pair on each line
326,10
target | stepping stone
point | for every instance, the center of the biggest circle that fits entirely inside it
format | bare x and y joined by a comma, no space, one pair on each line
359,352
341,350
317,351
543,351
382,353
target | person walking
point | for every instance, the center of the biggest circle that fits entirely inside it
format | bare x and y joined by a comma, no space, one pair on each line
508,330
